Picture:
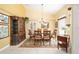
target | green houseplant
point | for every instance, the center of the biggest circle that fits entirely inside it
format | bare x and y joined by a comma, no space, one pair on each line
26,19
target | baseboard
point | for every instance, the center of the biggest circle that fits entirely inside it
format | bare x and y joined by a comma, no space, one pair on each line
21,43
5,47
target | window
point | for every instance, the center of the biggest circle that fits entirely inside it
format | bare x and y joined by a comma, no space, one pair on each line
3,26
62,26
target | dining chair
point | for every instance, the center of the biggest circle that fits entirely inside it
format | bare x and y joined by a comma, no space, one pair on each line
63,42
38,36
31,36
46,36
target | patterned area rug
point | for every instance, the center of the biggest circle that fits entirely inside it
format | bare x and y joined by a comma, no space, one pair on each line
30,44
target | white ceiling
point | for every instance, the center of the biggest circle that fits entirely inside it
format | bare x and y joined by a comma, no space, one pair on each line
50,8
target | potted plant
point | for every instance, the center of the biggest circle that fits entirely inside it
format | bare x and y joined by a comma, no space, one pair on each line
26,19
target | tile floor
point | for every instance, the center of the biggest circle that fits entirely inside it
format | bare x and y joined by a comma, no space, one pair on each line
30,44
15,50
20,50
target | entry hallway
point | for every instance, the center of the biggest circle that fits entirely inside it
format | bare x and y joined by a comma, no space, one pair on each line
16,50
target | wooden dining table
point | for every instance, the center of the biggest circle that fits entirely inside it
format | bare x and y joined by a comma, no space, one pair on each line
41,36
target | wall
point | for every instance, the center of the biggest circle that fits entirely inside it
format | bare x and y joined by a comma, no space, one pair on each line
75,45
13,9
10,10
64,11
35,14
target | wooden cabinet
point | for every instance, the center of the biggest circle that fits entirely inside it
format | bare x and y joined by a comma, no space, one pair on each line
17,29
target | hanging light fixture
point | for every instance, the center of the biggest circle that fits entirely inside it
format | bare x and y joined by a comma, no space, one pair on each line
44,23
41,15
42,12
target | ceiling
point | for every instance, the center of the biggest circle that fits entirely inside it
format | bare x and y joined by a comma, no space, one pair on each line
46,8
41,11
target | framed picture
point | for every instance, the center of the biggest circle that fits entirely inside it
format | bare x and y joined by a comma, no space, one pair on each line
3,26
44,24
56,25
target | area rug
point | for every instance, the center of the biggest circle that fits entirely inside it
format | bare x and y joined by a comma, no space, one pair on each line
30,44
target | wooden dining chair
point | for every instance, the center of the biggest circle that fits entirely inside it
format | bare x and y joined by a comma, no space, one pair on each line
38,36
31,36
47,36
63,42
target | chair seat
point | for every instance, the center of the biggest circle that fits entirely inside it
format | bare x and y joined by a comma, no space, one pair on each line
47,38
60,42
38,37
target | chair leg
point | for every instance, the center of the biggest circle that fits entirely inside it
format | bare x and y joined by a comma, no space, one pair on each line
49,42
40,42
58,46
43,42
34,42
66,50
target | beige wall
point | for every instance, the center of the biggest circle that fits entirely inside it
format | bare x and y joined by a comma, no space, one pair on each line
68,14
64,11
36,15
13,9
10,10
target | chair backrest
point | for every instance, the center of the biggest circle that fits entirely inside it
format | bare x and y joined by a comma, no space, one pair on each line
37,32
30,32
62,39
46,32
